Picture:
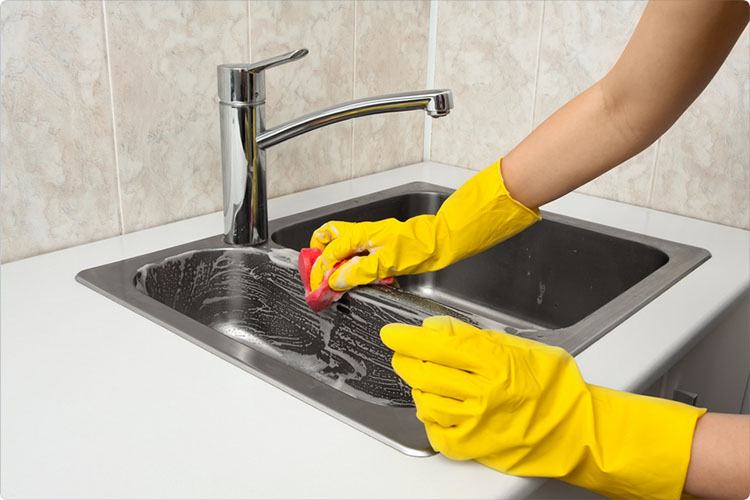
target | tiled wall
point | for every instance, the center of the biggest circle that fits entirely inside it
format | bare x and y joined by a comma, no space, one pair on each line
512,64
109,122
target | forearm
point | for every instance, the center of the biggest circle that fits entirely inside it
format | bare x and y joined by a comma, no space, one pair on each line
576,144
720,457
674,52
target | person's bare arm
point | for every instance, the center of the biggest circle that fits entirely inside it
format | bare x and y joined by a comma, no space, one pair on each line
674,52
720,457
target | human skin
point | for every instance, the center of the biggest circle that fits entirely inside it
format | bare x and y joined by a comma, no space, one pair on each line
672,55
675,50
720,457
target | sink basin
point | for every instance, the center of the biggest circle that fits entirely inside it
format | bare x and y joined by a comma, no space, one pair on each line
564,281
246,305
569,280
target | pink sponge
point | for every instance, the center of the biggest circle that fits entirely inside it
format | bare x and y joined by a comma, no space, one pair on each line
323,296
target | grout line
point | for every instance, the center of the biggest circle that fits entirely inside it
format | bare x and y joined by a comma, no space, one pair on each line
652,184
249,35
354,90
538,64
114,123
430,80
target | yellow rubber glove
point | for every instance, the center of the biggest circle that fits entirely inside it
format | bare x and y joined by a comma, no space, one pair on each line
477,216
522,407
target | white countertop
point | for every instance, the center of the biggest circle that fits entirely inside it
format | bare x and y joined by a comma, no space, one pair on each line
99,402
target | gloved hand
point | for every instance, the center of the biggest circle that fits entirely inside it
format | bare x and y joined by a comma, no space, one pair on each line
479,215
522,407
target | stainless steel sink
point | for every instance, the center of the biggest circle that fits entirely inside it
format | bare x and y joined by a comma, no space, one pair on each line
569,279
564,281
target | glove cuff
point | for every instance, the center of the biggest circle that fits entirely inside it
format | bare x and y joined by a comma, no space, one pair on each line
478,216
641,445
532,213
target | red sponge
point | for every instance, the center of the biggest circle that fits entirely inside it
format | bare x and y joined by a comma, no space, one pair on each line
323,296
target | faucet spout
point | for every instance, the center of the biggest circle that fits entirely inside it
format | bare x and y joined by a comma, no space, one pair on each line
436,103
244,138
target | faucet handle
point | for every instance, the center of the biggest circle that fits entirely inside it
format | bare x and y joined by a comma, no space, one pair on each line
243,84
277,61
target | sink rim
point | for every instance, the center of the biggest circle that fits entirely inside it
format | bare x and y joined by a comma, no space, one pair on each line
394,426
575,338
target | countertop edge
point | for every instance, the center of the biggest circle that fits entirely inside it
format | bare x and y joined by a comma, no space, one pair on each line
700,298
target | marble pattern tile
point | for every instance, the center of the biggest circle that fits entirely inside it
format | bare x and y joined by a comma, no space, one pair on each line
58,183
323,78
163,56
703,169
391,55
580,42
487,54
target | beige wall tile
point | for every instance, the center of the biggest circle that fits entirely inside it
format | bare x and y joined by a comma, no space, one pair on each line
163,59
487,54
580,42
321,79
703,169
58,181
58,185
391,56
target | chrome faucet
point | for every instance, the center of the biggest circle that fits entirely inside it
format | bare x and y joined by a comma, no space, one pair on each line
244,138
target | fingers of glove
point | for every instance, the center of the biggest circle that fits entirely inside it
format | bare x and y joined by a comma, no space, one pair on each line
498,348
342,247
442,347
359,270
327,233
436,379
434,409
316,274
447,441
338,249
468,332
451,326
490,350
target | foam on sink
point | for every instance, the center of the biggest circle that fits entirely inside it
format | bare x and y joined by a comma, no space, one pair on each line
255,297
284,257
310,364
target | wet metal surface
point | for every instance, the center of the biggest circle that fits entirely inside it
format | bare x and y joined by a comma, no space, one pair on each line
565,282
549,276
260,303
